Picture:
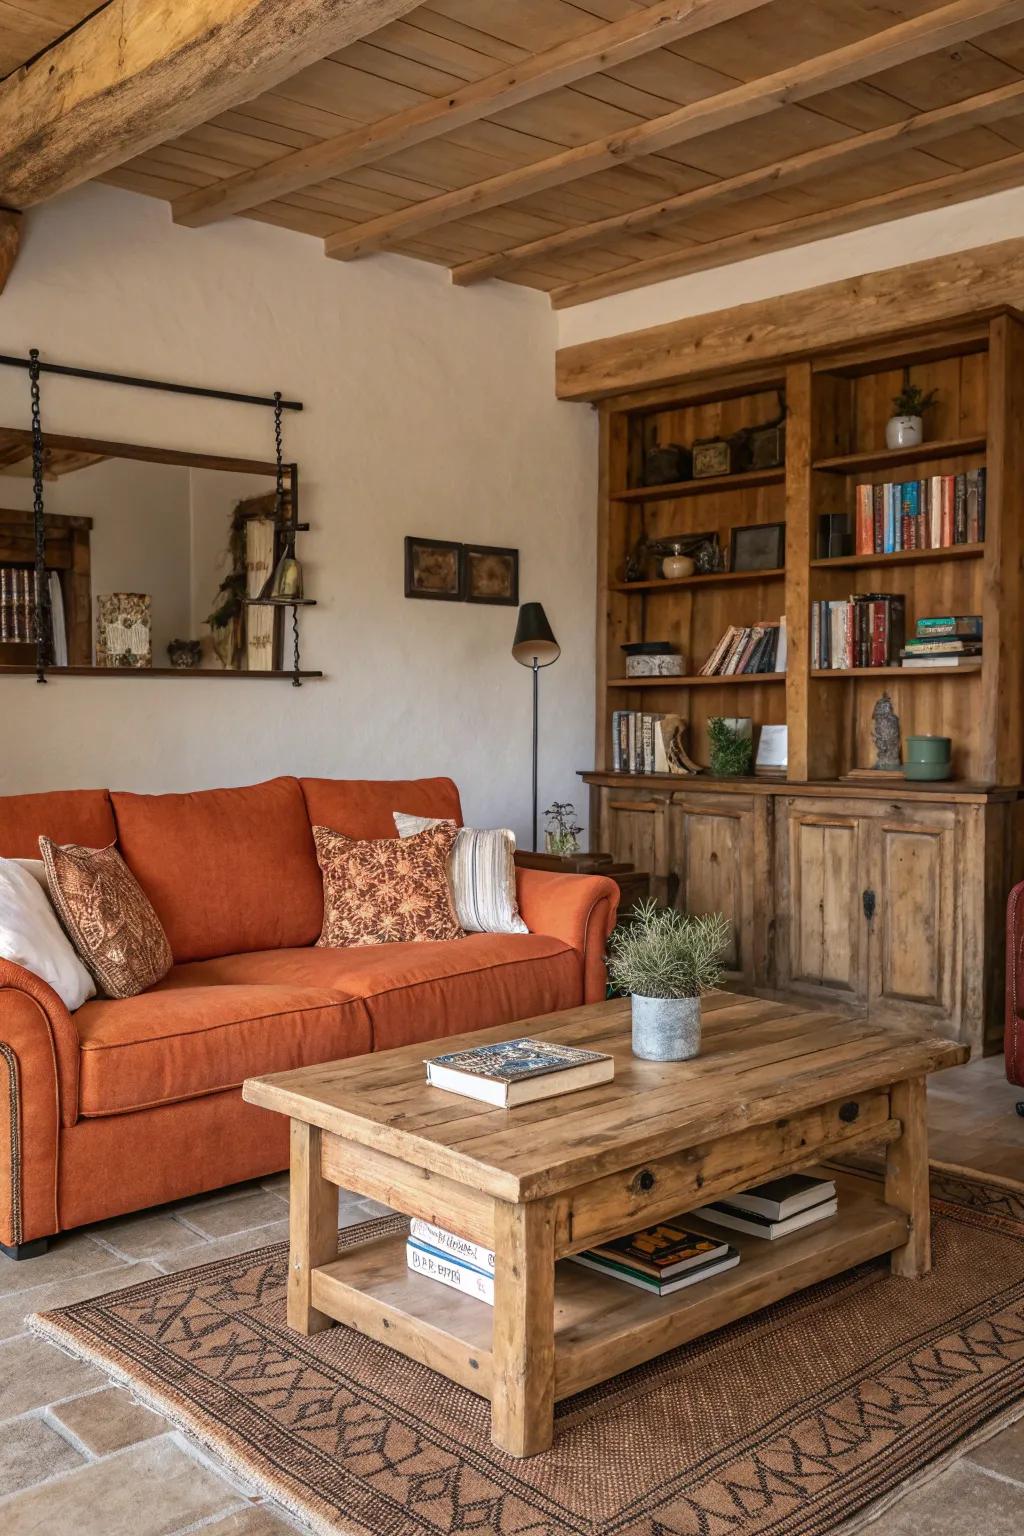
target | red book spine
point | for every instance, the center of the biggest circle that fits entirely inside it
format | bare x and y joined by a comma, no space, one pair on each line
878,635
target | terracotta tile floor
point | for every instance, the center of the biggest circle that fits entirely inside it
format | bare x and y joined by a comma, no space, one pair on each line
79,1458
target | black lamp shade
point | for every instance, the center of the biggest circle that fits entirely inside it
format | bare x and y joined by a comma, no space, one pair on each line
534,639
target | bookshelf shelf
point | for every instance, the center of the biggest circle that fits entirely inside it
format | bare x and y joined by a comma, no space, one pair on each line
835,674
892,458
715,579
901,557
712,485
697,682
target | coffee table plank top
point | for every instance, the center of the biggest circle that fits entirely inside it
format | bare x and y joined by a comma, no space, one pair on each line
760,1061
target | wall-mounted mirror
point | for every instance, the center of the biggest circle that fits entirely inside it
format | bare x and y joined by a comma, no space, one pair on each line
150,555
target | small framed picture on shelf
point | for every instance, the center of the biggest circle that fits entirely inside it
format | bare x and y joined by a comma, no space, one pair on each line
758,547
434,569
491,575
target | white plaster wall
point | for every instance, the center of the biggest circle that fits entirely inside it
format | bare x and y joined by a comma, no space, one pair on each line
959,228
429,410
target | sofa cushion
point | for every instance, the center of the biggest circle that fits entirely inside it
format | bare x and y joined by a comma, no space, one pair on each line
366,807
66,815
385,890
415,992
226,869
187,1037
107,916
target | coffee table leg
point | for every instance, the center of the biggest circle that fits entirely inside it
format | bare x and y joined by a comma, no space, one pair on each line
906,1176
523,1348
312,1230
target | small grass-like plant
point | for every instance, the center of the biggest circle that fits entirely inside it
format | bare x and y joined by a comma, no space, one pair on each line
664,953
732,754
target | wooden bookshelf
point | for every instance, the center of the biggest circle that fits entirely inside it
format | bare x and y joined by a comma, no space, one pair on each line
791,864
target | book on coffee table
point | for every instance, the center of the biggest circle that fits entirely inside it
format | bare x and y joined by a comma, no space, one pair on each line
519,1071
724,1215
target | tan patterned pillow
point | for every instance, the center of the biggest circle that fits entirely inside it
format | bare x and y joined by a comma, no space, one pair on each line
107,916
392,891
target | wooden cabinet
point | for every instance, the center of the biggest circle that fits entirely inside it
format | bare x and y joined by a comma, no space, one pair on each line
889,904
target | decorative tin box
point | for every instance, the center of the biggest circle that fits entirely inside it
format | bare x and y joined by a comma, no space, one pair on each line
721,455
654,666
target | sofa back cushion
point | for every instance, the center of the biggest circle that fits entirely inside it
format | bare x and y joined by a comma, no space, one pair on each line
227,870
365,808
66,815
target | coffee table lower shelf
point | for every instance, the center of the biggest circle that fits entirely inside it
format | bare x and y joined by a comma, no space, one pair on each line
602,1327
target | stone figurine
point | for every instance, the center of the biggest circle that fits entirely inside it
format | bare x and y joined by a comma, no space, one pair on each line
885,732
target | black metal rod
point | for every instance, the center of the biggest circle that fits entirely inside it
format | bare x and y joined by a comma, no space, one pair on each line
536,675
162,384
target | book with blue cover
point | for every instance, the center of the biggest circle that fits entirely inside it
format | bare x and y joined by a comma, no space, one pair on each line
515,1072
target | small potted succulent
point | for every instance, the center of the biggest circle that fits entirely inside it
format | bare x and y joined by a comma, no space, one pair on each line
666,961
905,427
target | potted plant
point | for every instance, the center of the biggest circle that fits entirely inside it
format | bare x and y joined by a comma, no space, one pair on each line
562,831
666,960
905,428
732,746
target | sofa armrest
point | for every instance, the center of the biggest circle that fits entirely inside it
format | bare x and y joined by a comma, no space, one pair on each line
1014,1017
38,1092
578,909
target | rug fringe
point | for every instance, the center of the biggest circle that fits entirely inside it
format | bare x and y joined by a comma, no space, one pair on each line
68,1342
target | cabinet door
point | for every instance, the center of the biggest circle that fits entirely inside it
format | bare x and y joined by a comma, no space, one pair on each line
713,846
821,932
637,835
914,934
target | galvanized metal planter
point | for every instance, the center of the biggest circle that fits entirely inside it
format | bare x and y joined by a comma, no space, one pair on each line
666,1028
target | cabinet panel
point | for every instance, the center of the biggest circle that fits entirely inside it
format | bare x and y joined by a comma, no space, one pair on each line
915,936
821,901
714,843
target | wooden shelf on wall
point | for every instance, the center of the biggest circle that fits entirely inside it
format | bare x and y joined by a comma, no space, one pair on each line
712,484
892,458
57,672
901,557
835,674
714,579
697,682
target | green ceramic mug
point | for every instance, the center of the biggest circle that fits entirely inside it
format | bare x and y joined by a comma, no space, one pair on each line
927,749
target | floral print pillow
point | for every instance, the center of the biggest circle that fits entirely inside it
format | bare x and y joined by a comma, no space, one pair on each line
391,891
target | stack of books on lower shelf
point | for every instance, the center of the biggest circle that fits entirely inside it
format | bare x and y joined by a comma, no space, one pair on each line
453,1261
775,1209
660,1259
948,640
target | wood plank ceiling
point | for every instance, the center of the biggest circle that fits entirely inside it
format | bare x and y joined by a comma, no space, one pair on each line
502,148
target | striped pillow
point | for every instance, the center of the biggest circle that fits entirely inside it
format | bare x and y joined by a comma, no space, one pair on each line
482,875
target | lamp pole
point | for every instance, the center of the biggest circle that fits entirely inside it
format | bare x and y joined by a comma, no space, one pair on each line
536,718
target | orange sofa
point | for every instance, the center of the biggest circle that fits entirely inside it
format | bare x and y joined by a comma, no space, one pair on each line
126,1104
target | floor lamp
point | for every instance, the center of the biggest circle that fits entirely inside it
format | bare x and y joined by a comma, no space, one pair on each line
534,646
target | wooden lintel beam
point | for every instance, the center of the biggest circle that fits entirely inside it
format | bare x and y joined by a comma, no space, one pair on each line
603,48
868,56
10,241
918,197
859,149
816,320
143,71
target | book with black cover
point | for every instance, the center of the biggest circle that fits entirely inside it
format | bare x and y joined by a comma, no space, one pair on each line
664,1250
778,1199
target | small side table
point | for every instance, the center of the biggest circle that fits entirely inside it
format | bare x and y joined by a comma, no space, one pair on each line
634,884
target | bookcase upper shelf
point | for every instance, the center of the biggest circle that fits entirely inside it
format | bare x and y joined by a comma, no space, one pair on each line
712,484
715,681
713,579
901,557
892,458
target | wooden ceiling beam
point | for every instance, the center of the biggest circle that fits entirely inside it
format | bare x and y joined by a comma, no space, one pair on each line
663,216
602,49
919,295
919,197
10,240
143,71
923,34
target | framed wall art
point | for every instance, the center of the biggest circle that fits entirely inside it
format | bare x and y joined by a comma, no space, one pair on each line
434,569
491,575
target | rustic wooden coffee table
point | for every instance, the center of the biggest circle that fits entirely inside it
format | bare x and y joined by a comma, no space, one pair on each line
775,1090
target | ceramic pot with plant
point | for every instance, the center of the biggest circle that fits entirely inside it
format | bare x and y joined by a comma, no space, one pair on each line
666,961
905,427
562,830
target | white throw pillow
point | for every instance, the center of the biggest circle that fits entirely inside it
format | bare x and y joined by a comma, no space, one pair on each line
37,869
482,872
31,935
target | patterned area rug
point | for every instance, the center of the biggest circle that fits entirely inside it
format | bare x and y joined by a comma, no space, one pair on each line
805,1419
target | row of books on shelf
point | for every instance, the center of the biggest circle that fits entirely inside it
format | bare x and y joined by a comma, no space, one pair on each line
18,610
934,513
868,629
638,744
747,649
659,1260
